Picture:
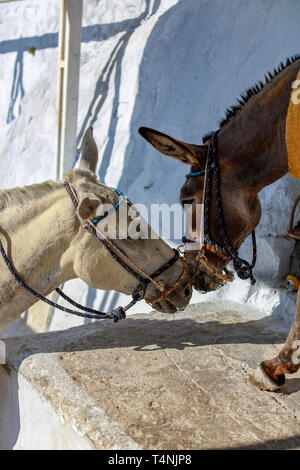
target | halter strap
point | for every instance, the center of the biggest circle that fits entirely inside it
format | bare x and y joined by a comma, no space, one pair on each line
115,315
102,217
243,268
196,173
119,255
118,313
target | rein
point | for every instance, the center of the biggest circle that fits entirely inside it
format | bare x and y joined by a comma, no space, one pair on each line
144,279
243,268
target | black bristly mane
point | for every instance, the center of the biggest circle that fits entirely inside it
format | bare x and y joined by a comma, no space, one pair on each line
254,90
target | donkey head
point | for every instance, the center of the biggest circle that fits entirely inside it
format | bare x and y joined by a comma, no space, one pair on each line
240,204
143,252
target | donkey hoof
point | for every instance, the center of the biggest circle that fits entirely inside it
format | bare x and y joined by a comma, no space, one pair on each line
263,381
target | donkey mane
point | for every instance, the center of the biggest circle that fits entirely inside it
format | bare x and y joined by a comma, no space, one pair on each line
252,91
18,196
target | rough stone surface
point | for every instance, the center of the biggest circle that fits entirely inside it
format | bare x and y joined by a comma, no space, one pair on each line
135,71
158,382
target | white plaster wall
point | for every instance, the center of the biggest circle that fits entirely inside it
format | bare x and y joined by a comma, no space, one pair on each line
28,421
168,64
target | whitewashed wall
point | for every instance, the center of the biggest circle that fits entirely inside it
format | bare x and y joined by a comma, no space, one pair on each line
169,64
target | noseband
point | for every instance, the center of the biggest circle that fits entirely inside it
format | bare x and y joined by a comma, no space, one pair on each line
243,269
121,258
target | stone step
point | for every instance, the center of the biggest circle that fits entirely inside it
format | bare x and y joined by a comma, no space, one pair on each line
150,382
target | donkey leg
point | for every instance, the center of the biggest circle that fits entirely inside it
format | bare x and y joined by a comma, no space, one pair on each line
271,374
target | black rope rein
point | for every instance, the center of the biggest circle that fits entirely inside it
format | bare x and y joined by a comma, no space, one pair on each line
243,268
118,313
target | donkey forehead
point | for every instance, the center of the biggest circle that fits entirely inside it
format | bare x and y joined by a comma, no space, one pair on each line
99,190
191,186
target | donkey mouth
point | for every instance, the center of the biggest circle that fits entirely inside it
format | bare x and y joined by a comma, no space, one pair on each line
206,282
165,307
176,294
177,300
168,307
202,279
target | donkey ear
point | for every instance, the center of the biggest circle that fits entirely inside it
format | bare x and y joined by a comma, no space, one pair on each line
89,151
186,153
87,206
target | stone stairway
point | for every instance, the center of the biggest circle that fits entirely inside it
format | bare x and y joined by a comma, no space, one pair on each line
150,382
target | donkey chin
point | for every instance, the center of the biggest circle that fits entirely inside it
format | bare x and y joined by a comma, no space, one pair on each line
177,300
203,280
206,282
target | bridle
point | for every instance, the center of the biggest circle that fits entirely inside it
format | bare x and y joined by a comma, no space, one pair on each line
243,268
120,257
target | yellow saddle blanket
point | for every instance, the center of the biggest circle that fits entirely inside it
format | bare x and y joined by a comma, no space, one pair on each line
293,130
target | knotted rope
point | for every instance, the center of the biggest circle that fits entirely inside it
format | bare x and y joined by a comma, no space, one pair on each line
243,268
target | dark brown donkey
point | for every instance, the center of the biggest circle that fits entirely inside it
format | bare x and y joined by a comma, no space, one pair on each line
252,154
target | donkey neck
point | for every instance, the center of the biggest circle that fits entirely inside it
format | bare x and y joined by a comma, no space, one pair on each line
35,236
252,143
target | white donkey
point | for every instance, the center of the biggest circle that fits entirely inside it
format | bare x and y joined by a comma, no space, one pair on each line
42,237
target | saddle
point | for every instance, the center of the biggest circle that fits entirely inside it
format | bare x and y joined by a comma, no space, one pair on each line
293,129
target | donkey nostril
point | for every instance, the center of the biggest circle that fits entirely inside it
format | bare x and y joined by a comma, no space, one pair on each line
172,308
187,290
187,202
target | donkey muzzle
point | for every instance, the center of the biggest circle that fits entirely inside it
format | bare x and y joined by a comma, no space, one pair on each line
175,297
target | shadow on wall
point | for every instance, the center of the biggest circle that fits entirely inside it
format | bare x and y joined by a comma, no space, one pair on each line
99,32
100,94
197,61
199,57
101,88
17,87
21,46
195,64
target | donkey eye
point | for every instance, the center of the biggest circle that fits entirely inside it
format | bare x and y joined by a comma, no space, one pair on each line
187,201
